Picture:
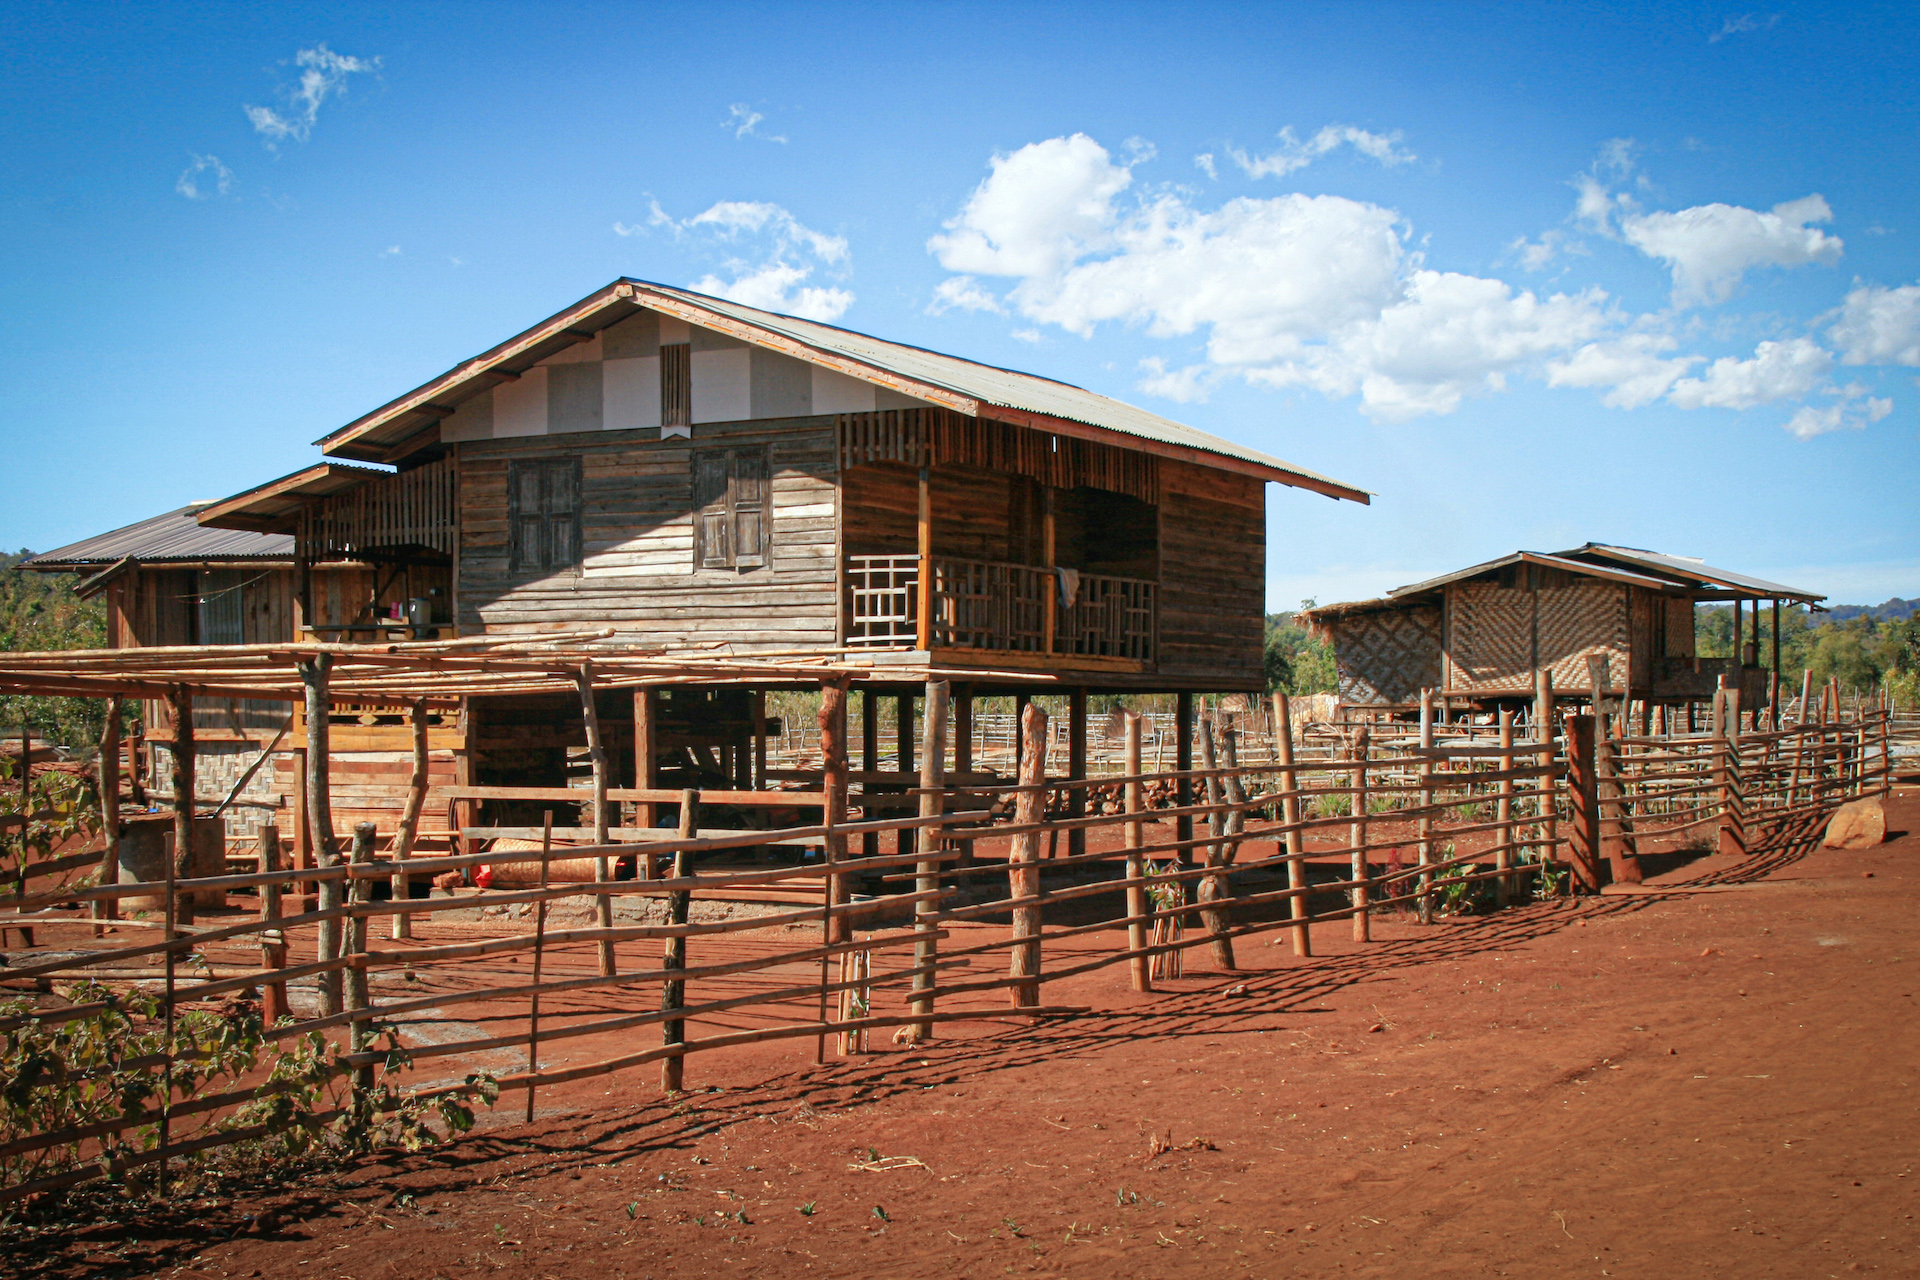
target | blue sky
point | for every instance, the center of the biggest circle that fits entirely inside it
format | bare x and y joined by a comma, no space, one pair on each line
1533,274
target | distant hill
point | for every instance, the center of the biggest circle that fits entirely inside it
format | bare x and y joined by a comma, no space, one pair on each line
1894,610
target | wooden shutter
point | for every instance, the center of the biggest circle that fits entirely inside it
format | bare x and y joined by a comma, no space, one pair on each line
750,508
526,516
563,513
712,519
543,514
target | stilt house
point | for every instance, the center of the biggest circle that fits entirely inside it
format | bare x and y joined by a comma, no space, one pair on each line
704,477
1479,635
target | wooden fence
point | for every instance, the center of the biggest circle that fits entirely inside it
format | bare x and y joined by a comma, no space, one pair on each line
967,920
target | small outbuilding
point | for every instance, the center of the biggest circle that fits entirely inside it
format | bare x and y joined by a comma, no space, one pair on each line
1479,635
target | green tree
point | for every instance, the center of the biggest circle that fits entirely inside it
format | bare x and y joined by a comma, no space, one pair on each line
1297,662
40,611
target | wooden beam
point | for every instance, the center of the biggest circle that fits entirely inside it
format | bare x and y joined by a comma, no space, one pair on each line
923,584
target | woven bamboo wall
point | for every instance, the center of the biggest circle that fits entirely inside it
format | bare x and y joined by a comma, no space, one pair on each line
1387,657
1493,632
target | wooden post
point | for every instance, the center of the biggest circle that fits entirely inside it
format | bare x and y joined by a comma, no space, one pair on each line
539,950
1623,863
1023,871
1583,840
759,777
1357,834
869,763
834,929
1543,706
673,993
1049,549
1424,827
1503,813
597,753
1077,767
314,673
1214,896
963,754
1183,765
1290,817
1726,751
410,820
107,908
358,995
903,746
923,585
645,742
183,802
273,942
926,912
1139,964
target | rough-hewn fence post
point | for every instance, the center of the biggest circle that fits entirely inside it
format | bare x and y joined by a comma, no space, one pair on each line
926,911
1023,873
673,992
1140,965
1583,834
1290,817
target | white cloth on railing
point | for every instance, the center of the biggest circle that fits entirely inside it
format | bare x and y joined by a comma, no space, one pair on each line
1069,586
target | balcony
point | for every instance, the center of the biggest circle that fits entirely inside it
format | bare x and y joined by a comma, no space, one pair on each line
994,606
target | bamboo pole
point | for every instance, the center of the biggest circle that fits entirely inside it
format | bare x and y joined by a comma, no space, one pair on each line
933,782
539,952
1290,817
1023,873
674,990
184,760
597,752
1357,833
410,819
833,759
1140,966
314,675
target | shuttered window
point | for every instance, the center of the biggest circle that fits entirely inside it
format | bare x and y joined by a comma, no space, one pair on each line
543,513
731,504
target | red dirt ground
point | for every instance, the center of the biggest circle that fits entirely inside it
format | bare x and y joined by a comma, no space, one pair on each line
1714,1076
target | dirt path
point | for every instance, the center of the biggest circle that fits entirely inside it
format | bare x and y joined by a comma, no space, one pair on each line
1715,1081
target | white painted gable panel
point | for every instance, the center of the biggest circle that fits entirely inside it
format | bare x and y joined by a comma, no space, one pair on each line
632,389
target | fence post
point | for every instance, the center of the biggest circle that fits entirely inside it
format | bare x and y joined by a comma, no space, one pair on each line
105,908
1424,904
1583,837
358,996
1726,749
273,942
1139,963
1290,818
410,820
1023,872
1215,913
1503,813
1357,833
933,785
597,754
1623,866
834,929
673,992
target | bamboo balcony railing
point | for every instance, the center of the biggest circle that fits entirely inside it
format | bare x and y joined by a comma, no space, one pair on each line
993,605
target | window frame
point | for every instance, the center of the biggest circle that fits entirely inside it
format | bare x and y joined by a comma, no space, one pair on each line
743,502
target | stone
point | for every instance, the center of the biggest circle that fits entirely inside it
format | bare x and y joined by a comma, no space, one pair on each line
1858,824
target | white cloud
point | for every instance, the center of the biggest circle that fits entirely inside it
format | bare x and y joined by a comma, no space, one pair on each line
1851,413
1710,247
391,251
1318,291
325,74
1537,255
1204,163
784,255
965,294
1032,337
1742,24
1778,371
745,123
1294,154
1879,326
206,168
1631,367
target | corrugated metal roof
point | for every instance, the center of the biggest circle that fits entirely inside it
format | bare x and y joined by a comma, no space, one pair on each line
1532,557
277,503
1687,567
175,536
965,385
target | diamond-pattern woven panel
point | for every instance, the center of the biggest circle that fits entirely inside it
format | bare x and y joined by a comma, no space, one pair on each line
1492,637
1493,634
1387,657
1586,618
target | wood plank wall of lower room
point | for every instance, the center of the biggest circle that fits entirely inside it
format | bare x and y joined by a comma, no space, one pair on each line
637,539
1213,575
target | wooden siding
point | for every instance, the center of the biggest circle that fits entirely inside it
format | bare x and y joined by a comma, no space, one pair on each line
637,571
1213,540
